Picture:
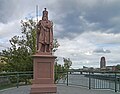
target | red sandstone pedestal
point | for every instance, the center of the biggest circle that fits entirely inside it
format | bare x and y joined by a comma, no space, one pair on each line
43,82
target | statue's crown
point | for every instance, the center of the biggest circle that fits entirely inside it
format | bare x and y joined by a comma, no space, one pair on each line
45,13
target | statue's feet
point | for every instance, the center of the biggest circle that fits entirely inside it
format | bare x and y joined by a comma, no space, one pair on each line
37,51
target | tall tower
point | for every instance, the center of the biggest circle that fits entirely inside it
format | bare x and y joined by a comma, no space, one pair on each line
102,62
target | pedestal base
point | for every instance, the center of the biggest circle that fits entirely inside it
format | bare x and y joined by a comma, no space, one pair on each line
43,82
43,89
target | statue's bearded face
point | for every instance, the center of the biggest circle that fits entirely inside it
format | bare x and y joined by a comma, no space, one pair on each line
44,18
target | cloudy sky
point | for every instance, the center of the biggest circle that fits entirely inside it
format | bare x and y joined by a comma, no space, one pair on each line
85,29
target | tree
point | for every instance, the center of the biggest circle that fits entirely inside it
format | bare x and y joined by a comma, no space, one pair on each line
61,70
117,67
55,45
18,56
58,72
2,64
67,63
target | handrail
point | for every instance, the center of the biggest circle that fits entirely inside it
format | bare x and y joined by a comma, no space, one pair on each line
2,73
15,78
92,77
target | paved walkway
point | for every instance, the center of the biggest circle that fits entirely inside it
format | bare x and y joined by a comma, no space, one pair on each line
62,89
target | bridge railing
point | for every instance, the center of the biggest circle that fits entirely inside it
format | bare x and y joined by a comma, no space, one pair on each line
89,79
92,79
15,79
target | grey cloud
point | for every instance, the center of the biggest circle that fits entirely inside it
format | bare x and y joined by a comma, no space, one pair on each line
4,10
15,9
103,13
7,10
67,13
113,62
101,50
100,13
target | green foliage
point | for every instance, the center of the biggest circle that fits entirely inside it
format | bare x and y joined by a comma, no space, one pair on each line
67,63
29,30
61,70
56,45
18,56
118,67
2,63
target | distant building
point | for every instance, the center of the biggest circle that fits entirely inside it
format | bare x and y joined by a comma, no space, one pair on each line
102,63
111,68
87,68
